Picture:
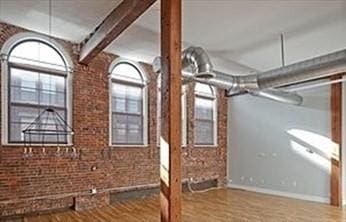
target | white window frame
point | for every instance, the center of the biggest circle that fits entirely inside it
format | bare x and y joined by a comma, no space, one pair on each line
215,116
144,99
343,143
184,114
4,53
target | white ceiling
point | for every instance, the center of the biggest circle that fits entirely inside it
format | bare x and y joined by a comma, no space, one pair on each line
240,35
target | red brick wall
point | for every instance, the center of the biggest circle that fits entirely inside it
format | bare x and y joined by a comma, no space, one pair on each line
50,182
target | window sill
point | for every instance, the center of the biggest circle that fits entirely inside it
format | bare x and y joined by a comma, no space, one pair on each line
129,146
182,146
206,146
34,145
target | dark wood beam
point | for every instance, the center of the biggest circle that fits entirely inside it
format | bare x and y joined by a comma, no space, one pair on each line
111,27
336,127
170,158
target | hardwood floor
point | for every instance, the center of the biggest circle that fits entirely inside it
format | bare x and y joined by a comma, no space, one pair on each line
222,205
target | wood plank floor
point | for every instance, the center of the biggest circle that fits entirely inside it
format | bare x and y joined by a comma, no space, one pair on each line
224,205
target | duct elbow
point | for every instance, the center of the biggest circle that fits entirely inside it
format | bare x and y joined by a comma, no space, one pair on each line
198,59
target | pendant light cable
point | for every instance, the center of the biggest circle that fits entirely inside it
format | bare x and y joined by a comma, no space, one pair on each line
50,20
282,49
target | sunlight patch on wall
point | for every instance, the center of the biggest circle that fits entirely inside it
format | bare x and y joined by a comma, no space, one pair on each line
318,143
314,147
314,158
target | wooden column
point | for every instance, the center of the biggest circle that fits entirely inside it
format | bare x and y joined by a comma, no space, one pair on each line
336,126
170,141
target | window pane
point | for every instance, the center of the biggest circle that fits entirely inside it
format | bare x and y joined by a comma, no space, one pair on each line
134,106
127,129
119,136
52,98
24,95
118,90
57,83
52,82
127,72
126,98
23,114
119,105
204,108
134,129
16,134
20,118
24,86
133,93
38,54
51,122
119,121
23,78
204,132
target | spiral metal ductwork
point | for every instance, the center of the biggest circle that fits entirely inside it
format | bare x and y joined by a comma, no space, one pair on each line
198,60
261,84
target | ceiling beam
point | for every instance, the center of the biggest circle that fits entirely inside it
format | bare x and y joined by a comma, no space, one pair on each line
111,27
170,140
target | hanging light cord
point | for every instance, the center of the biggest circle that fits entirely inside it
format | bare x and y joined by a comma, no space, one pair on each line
50,19
282,49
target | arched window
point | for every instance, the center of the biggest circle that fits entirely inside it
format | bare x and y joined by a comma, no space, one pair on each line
36,76
183,113
205,115
128,104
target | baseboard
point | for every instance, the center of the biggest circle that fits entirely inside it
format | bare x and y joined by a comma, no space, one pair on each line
145,192
280,193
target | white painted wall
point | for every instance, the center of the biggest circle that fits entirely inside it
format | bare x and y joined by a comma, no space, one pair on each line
268,144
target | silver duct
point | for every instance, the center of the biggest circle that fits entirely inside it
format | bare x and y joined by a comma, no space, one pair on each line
279,96
316,68
319,67
198,60
260,84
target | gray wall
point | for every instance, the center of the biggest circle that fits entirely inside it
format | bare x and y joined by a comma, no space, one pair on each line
269,143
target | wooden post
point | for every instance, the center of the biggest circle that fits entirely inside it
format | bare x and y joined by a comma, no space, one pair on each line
170,141
336,125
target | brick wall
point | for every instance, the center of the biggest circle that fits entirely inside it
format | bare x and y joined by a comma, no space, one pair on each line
49,182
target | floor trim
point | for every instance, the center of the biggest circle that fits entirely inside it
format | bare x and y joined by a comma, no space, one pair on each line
280,193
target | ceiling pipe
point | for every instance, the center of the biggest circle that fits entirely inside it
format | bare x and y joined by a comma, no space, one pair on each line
308,70
279,96
319,67
198,60
260,84
297,88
